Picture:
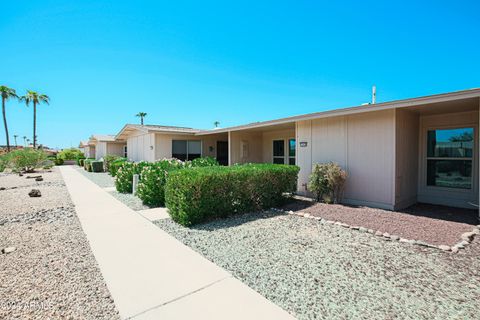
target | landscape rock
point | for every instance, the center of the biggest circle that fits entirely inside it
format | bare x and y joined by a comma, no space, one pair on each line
362,229
35,193
386,235
394,237
467,236
454,249
8,250
39,179
2,188
444,247
378,233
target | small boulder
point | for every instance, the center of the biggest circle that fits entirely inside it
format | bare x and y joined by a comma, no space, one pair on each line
35,193
444,247
2,188
8,250
38,179
394,237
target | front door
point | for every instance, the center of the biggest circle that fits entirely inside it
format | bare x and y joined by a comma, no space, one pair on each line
222,152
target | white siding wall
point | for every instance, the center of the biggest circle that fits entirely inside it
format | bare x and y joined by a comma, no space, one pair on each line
362,144
141,147
101,149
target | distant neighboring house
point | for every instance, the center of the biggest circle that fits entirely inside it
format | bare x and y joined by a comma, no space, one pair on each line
101,145
154,142
395,153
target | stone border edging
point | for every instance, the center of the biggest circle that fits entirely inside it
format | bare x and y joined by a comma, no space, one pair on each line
466,237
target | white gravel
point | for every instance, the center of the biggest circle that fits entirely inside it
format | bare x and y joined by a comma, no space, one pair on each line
322,271
52,273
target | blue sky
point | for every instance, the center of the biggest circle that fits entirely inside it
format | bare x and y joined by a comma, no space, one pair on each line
190,63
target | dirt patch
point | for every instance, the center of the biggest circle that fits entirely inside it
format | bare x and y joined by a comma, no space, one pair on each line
430,223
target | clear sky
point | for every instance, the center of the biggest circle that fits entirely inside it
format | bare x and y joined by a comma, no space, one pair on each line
190,63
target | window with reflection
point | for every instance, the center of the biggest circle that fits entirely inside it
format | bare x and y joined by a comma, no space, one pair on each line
450,158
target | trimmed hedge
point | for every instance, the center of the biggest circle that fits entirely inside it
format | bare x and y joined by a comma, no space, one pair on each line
115,165
196,195
204,162
124,176
97,166
58,161
87,164
80,159
108,159
151,188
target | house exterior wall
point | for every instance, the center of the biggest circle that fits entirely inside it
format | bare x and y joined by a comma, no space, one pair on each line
90,152
140,146
163,143
101,149
406,161
209,143
446,196
245,147
363,144
267,143
116,148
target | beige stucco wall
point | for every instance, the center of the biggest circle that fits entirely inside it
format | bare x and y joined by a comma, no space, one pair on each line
163,143
140,146
363,144
267,143
209,143
115,148
444,196
101,149
251,141
406,161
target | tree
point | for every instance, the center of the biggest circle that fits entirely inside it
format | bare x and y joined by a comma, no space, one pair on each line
216,124
141,115
6,93
25,141
35,98
15,136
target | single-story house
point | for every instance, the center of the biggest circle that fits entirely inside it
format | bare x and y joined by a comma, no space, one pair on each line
155,142
87,148
107,144
395,153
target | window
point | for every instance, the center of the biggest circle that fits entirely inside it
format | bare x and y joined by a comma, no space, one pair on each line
125,151
450,157
291,151
186,150
279,151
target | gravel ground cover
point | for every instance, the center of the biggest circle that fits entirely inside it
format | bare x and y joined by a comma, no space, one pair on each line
51,272
104,180
438,225
323,271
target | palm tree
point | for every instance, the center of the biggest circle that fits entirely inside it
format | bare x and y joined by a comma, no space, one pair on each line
25,141
6,93
216,124
35,98
141,115
15,136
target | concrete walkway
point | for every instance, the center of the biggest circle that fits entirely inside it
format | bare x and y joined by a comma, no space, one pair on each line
150,274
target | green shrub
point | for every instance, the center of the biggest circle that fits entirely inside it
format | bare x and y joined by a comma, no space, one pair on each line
153,177
327,182
58,161
97,166
107,160
204,162
195,195
24,159
124,176
69,154
80,159
87,164
115,165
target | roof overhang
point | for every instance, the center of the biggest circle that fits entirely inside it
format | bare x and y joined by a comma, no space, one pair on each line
406,103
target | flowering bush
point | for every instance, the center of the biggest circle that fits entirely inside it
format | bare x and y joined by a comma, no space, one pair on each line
327,182
124,176
151,188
